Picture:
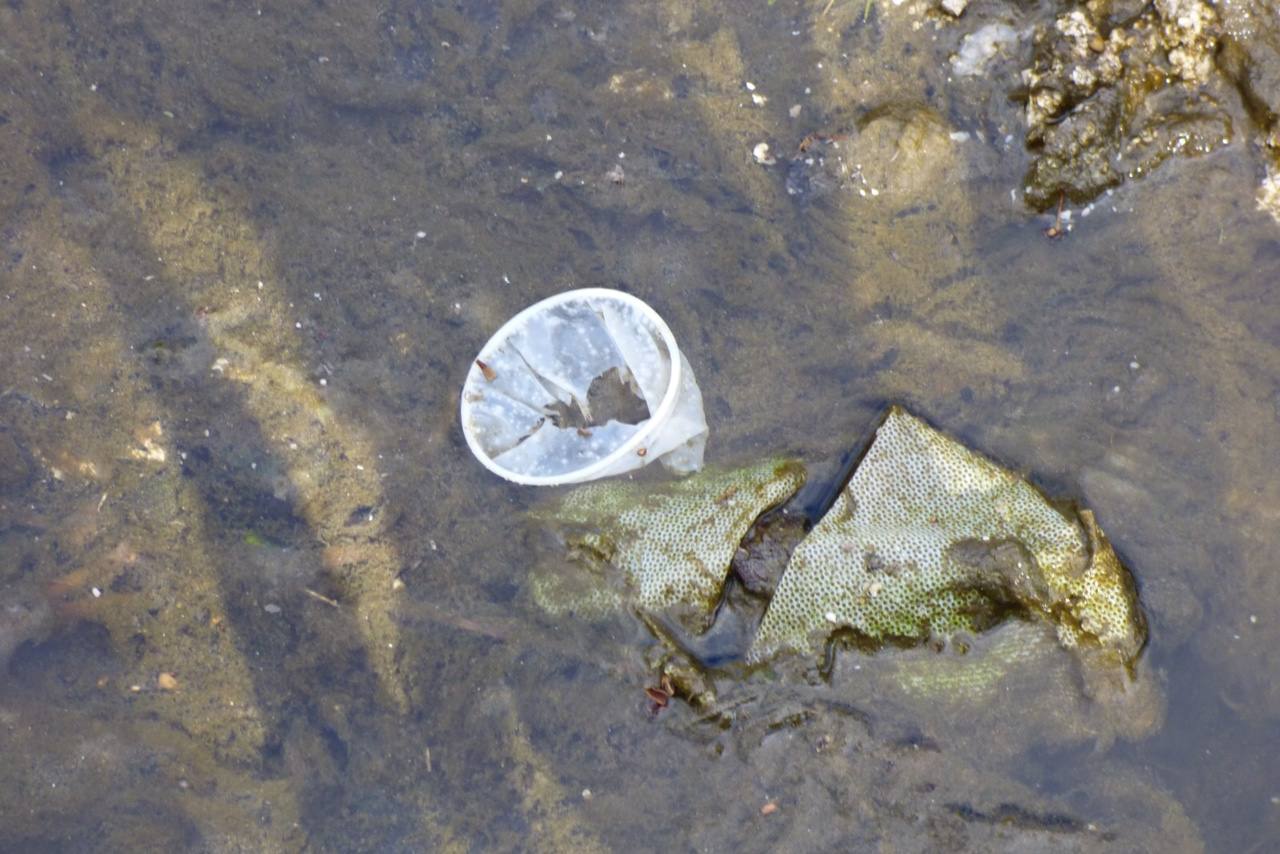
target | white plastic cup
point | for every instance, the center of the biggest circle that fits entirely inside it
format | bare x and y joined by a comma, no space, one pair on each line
549,354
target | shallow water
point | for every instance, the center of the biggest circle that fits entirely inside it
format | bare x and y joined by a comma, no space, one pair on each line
257,594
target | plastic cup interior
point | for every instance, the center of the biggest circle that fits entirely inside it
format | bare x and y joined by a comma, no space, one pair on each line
549,354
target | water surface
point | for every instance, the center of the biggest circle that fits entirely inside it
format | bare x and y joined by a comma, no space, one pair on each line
256,593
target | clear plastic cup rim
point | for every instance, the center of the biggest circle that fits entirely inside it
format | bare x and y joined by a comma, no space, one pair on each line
635,445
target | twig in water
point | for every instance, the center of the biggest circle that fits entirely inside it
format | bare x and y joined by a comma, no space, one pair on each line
1056,230
325,599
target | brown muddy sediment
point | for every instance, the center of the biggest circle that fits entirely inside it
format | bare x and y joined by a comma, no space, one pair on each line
160,161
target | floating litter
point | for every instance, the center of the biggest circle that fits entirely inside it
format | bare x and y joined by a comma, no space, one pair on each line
583,385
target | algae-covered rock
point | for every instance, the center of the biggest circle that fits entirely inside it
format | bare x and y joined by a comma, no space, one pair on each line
1111,93
666,545
930,538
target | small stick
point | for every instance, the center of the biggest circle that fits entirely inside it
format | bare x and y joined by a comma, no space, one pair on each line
1055,231
325,599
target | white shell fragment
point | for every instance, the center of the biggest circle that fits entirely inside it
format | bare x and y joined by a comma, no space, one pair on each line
762,155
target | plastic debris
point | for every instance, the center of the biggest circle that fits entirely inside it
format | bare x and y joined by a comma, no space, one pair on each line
1011,688
930,538
583,385
671,544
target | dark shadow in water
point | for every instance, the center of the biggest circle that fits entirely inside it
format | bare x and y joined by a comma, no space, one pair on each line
455,529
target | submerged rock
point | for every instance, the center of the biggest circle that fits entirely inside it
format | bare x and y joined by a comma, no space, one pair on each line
1111,93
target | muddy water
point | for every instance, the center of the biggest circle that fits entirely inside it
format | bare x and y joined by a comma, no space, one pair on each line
256,594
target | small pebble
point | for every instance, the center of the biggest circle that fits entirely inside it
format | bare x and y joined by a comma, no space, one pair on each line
761,154
167,682
769,808
272,608
586,794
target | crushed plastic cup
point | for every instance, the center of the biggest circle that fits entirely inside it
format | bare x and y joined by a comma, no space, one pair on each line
529,396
